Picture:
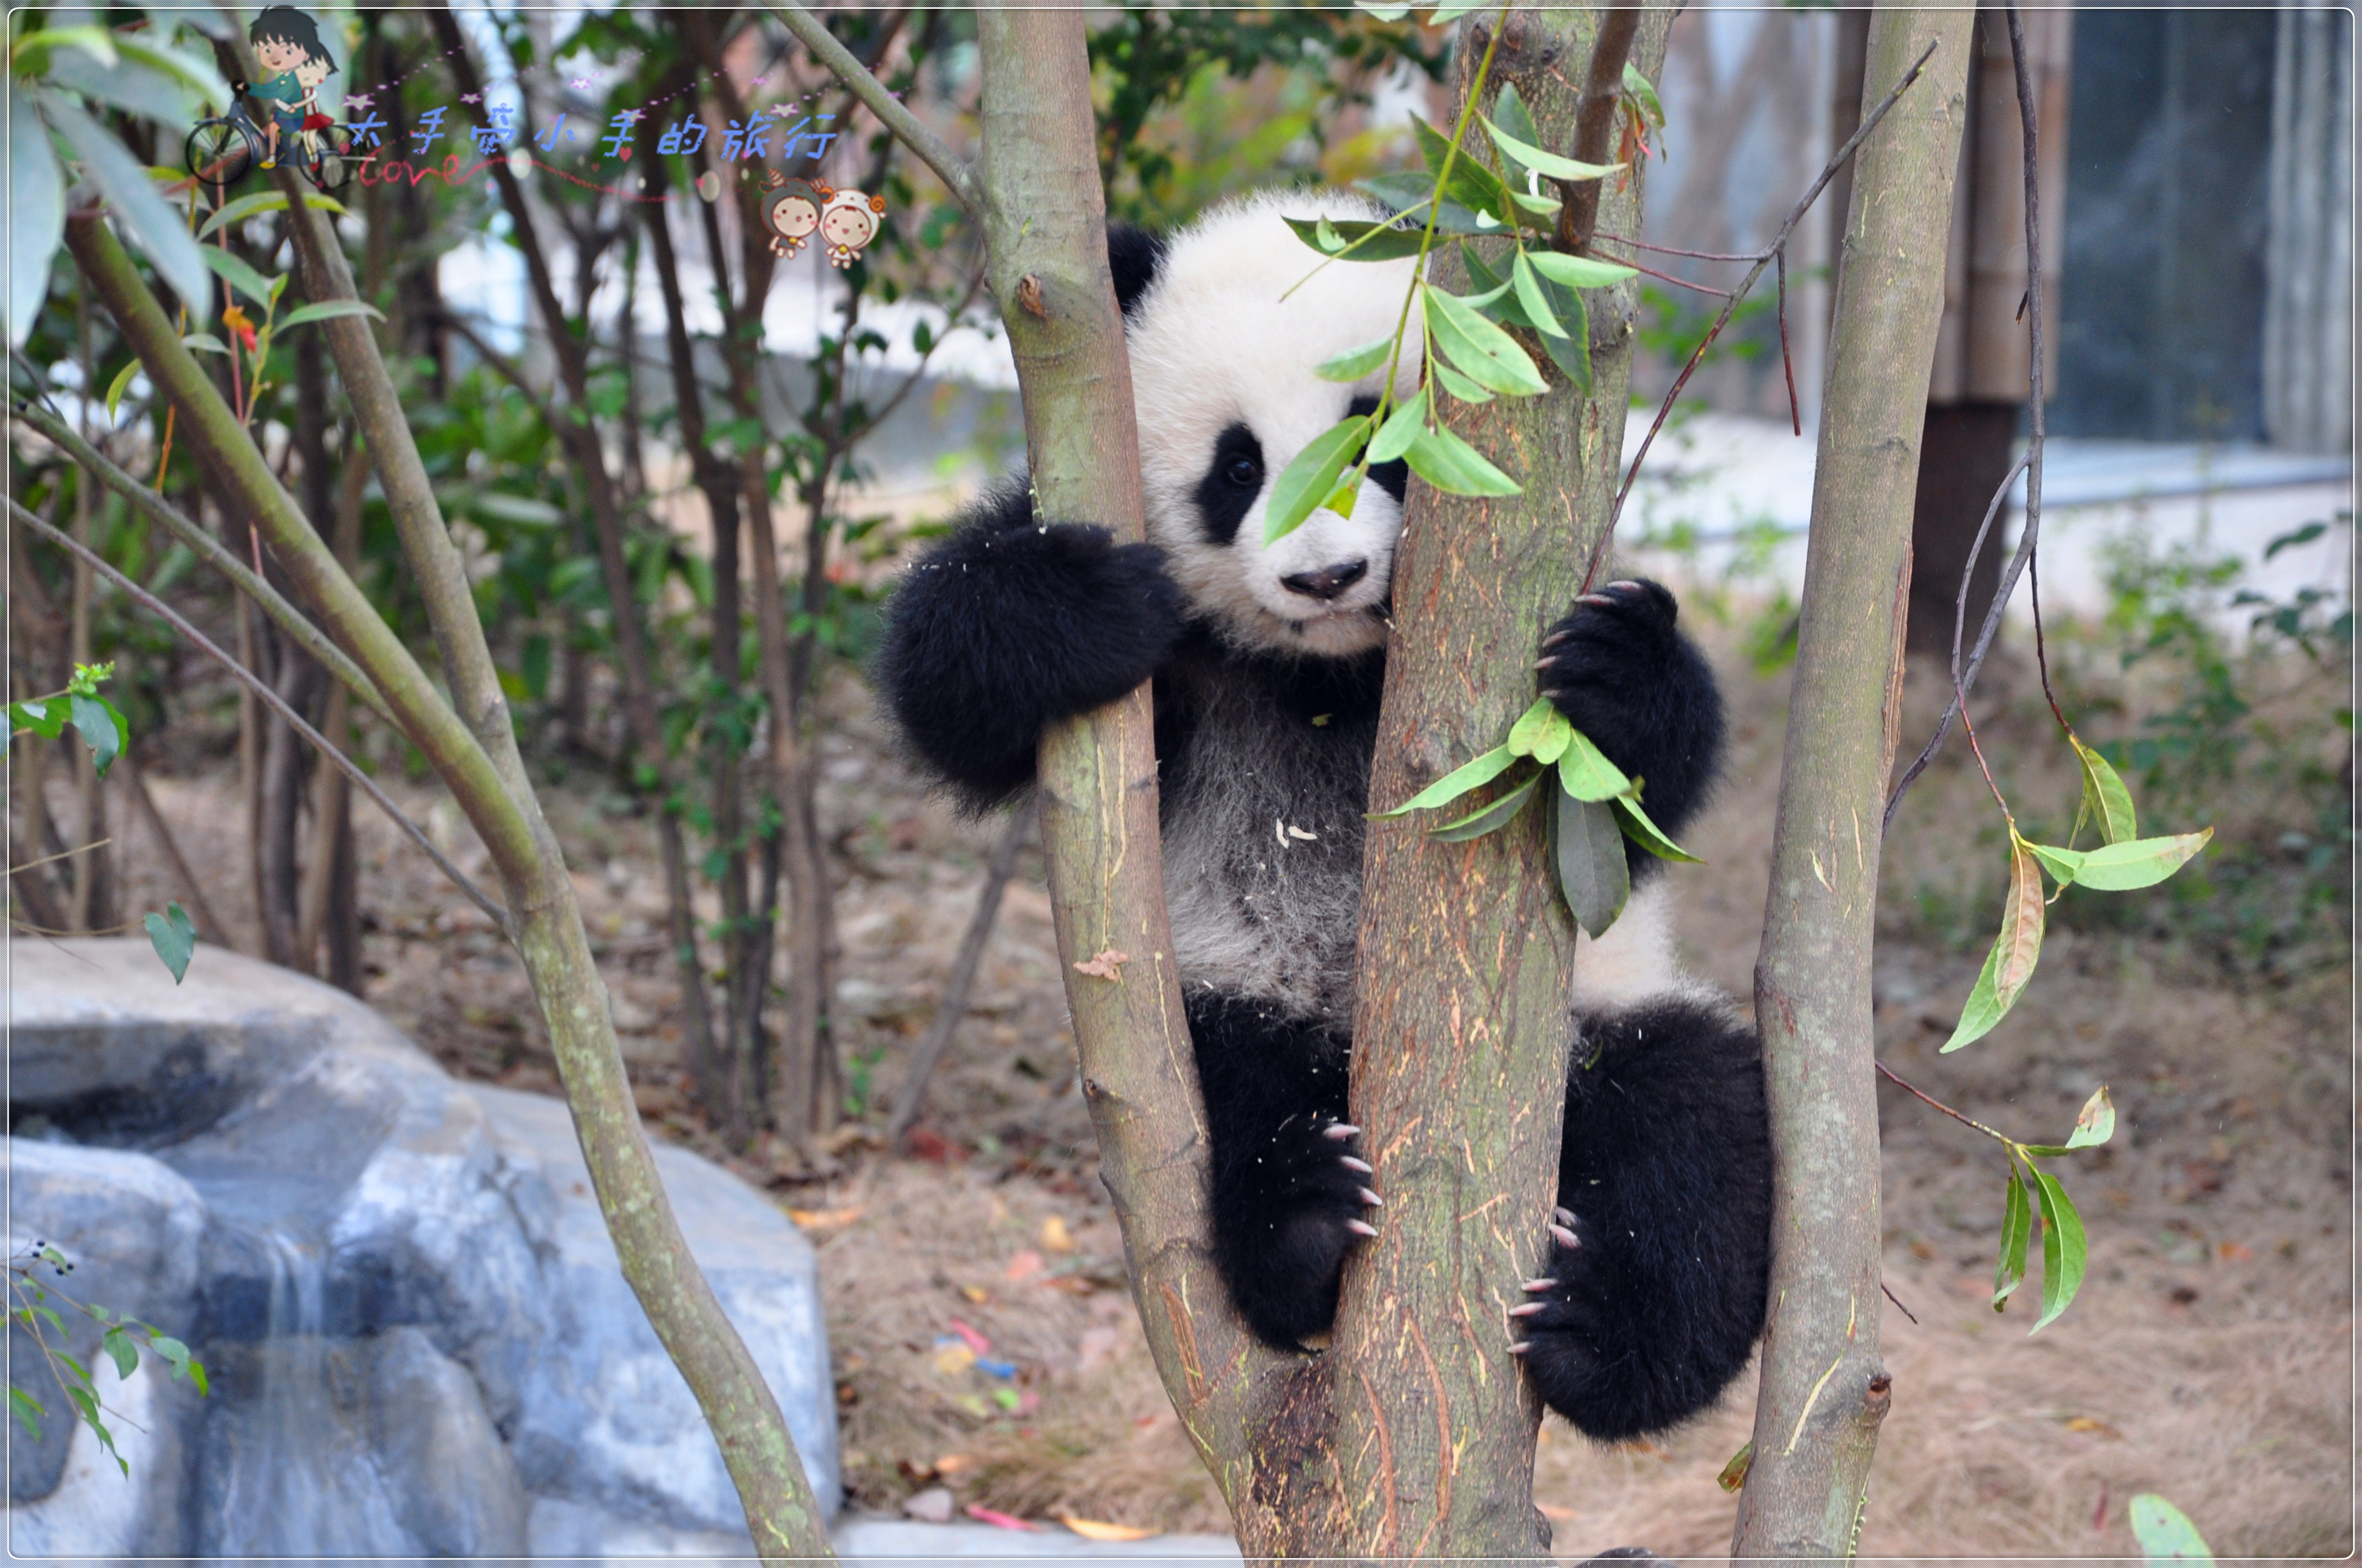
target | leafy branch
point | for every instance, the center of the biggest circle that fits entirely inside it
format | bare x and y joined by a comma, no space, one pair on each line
120,1339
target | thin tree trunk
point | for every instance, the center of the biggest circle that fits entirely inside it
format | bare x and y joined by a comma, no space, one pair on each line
201,910
1824,1388
1466,951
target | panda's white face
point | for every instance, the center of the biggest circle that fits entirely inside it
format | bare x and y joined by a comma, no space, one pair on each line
1222,381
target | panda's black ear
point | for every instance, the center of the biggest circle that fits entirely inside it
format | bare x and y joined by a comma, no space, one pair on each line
1134,255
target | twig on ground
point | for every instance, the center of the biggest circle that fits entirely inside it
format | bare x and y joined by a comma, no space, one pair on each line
272,700
1779,244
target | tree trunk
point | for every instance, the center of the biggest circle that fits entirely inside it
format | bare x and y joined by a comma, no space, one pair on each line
1467,950
1824,1387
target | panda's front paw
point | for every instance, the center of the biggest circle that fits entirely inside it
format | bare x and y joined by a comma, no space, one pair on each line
1284,1221
1622,674
1559,1333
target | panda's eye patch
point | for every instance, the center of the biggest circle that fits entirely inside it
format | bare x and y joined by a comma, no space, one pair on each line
1233,477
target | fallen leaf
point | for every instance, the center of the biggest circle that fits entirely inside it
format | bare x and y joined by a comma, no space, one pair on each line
2087,1423
997,1520
953,1464
1099,1530
825,1219
1024,1267
953,1359
1056,1236
1108,964
974,1293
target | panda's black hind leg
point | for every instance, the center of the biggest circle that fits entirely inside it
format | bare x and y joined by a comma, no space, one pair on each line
1660,1251
1621,672
1289,1191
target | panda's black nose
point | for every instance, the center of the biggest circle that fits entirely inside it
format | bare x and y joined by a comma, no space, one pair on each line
1328,581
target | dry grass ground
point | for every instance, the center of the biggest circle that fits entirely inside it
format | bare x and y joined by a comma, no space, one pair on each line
2210,1356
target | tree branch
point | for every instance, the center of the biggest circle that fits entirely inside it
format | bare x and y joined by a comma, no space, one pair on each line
211,551
272,700
908,128
1595,126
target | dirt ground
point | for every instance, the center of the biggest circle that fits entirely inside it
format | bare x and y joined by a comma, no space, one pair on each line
2210,1356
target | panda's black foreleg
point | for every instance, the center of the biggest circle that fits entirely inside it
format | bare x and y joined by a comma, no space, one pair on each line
1008,625
1620,673
1659,1257
1288,1191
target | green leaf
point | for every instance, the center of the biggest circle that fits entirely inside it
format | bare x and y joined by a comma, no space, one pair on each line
36,215
1459,386
1471,185
1641,89
1488,818
27,1411
1383,13
2063,1249
1455,784
122,380
1734,1474
45,718
240,276
1355,363
328,310
1549,165
2016,1230
1647,834
103,729
1400,430
1540,732
2165,1532
1509,112
1579,271
153,224
173,937
205,341
1453,467
1571,353
2105,798
1593,875
1585,772
263,202
2141,862
1490,357
2062,863
2014,952
1535,302
117,1343
1364,241
1407,194
1311,476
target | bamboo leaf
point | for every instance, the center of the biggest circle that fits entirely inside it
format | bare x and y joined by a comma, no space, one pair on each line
154,224
2063,1249
1402,427
2139,862
1647,834
1579,271
1488,818
2016,1230
1549,165
1585,773
1509,112
2105,798
1355,363
1540,732
1593,874
1490,357
1455,784
1453,467
263,202
1311,476
2165,1532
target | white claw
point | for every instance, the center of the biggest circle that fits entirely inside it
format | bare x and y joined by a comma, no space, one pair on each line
1622,582
1540,1285
1565,1237
1520,1348
1529,1309
1361,1229
1358,1167
1602,600
1371,1199
1341,1132
1554,639
1563,1216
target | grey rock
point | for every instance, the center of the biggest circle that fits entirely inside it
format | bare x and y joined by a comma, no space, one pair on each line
933,1506
411,1272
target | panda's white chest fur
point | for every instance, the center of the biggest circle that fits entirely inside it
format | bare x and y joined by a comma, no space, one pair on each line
1262,848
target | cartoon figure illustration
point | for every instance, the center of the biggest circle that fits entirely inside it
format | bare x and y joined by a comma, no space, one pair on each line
848,222
287,43
794,212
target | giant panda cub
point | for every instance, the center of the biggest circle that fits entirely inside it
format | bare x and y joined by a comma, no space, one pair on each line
1268,661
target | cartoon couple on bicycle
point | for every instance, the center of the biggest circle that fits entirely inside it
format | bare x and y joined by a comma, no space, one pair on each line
287,43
